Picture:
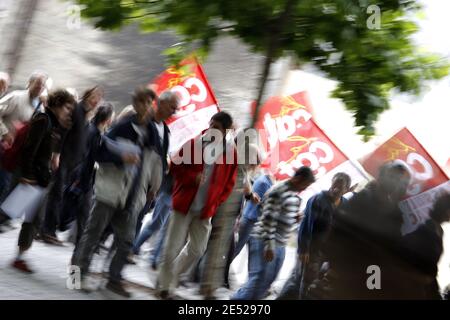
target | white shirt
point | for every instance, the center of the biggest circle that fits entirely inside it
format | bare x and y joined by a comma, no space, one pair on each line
160,128
16,106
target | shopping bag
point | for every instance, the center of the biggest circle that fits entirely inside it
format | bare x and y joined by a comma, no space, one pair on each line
24,200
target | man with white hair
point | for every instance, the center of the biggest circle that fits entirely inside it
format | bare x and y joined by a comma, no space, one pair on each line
4,83
19,106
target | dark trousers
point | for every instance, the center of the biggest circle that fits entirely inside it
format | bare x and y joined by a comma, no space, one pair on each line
83,215
124,227
55,200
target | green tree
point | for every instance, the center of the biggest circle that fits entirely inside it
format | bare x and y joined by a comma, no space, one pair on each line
337,36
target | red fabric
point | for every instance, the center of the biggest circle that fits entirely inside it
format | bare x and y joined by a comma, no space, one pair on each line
185,187
11,156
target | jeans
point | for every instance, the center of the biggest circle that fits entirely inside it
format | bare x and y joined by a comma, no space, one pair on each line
245,228
155,258
261,274
159,220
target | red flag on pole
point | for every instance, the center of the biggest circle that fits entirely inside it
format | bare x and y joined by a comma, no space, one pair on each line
404,146
293,139
197,101
428,179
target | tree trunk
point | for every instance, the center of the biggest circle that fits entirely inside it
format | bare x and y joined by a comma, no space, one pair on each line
262,85
275,34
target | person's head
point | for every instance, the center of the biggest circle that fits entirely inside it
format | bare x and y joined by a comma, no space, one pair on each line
103,115
168,103
142,103
4,82
340,185
92,97
441,208
302,179
61,103
221,121
36,84
393,179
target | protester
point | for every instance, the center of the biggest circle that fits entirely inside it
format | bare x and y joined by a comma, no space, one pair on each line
280,215
216,255
35,168
74,146
424,249
122,190
367,232
18,108
199,188
167,105
313,233
252,210
79,194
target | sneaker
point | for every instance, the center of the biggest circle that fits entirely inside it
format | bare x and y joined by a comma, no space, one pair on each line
164,295
22,266
52,240
118,288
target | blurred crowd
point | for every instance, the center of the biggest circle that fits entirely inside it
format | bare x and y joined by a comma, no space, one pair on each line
98,174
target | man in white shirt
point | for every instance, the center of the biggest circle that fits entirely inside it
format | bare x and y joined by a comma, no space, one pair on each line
20,105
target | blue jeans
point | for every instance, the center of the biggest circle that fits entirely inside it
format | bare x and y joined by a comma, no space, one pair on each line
245,228
261,274
159,220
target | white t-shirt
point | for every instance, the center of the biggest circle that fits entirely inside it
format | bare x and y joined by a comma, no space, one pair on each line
160,128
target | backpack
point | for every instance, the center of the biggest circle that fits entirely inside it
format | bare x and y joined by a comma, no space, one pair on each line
11,156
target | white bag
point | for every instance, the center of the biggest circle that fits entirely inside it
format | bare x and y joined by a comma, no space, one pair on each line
25,199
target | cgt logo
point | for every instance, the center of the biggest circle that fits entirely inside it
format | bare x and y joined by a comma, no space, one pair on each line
283,125
190,90
319,154
283,128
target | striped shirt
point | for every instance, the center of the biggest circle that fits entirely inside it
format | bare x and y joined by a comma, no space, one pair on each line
279,218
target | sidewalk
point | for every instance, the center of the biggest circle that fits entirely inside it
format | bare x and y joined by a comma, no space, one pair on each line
48,282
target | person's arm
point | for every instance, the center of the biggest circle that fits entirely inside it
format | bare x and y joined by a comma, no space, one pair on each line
38,129
306,228
260,187
104,155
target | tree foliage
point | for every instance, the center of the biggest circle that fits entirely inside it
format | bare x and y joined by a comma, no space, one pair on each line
368,64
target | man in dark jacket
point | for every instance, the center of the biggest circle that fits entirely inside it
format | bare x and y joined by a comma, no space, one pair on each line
35,169
73,150
366,238
121,190
313,233
424,248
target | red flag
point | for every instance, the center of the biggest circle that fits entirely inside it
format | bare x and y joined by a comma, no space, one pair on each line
404,146
447,167
293,139
197,101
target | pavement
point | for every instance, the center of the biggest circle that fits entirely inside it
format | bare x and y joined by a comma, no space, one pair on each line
50,265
